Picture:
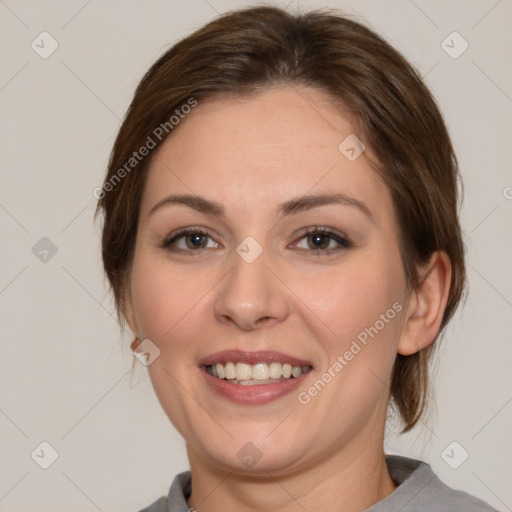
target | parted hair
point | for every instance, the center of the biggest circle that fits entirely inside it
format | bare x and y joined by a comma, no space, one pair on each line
249,50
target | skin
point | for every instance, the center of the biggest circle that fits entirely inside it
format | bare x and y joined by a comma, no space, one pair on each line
250,155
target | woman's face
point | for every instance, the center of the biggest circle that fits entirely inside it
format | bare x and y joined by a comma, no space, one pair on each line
291,261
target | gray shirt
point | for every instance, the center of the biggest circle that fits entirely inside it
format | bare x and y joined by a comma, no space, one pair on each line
419,490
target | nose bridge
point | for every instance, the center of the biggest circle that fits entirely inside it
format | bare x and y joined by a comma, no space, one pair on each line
251,293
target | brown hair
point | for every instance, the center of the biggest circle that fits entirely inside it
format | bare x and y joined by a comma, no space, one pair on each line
252,49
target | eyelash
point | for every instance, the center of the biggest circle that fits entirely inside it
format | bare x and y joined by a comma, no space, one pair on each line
343,241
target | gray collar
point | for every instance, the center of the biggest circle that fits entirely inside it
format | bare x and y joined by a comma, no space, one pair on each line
418,488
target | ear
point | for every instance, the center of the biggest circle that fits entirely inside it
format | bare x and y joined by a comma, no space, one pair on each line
426,305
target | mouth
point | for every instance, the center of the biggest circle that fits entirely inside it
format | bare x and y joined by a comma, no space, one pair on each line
254,377
256,374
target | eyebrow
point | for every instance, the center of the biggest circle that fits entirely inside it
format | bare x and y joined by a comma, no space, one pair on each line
291,207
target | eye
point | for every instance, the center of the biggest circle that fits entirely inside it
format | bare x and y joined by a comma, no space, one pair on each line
188,240
323,241
318,241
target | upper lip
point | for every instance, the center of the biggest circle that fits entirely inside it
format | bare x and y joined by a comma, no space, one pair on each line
262,356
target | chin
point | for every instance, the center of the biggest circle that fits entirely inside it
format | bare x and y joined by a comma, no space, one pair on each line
256,453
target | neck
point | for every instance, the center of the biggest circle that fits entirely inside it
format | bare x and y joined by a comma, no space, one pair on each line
350,480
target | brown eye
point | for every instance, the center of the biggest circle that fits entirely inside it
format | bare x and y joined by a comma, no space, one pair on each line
323,241
189,240
319,241
196,240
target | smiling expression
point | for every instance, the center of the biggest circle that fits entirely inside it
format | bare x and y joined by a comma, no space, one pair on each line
260,242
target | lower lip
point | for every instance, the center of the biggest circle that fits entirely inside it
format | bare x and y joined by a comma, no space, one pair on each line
255,394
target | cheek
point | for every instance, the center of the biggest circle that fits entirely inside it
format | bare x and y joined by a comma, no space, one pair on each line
164,301
361,310
169,308
353,300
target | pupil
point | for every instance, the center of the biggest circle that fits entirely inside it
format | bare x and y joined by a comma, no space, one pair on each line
319,241
196,240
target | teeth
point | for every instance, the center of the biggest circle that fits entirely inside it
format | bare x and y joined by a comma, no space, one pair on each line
296,371
246,374
220,371
260,371
275,370
243,371
251,382
230,371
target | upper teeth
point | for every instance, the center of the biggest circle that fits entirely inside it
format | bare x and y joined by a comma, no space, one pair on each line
258,371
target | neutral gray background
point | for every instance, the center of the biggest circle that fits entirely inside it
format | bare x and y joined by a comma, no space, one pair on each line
65,367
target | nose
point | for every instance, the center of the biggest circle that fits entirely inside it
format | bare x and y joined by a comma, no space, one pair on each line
251,295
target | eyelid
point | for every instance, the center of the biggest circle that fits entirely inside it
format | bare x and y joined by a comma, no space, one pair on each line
324,230
175,235
321,229
343,241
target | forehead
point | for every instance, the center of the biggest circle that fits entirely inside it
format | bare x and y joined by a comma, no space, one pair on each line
262,149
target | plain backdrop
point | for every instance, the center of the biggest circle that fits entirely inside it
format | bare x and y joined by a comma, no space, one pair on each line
65,367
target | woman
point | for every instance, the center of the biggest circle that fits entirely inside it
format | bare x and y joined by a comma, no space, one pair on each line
281,236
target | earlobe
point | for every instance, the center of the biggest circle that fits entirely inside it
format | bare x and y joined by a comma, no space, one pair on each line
426,305
134,344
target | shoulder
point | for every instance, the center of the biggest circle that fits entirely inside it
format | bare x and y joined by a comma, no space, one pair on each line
176,500
419,489
160,505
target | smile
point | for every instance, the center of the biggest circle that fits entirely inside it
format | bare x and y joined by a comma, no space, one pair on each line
254,374
254,378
